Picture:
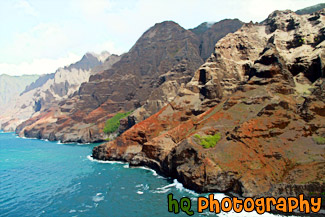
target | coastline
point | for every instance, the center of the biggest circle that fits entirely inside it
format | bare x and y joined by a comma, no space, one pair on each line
176,183
155,169
147,163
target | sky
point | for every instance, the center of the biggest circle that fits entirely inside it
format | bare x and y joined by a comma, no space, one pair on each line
39,36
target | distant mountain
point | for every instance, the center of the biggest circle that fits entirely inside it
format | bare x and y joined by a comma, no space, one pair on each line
39,82
49,89
12,86
311,9
87,62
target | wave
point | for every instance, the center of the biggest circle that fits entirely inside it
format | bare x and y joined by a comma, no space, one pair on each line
46,140
146,168
98,197
87,143
104,161
31,138
179,186
1,131
23,137
161,191
126,165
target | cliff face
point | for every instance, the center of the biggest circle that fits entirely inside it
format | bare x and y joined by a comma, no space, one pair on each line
207,34
262,91
47,90
210,34
145,79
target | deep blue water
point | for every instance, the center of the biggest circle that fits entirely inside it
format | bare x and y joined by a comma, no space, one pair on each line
41,178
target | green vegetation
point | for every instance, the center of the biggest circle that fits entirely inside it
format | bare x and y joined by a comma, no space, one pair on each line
113,123
208,141
303,89
319,140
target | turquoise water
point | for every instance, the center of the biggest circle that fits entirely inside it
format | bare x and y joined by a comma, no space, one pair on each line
41,178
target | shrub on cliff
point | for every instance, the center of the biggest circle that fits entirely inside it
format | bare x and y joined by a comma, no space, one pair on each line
319,140
113,123
208,141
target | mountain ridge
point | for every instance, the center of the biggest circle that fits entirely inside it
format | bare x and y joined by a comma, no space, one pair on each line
166,54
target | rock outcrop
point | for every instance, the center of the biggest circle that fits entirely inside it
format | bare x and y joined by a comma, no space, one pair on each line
262,90
145,79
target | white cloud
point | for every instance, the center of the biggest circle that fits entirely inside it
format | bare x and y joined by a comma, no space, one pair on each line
108,46
94,8
28,9
38,66
79,26
43,48
46,40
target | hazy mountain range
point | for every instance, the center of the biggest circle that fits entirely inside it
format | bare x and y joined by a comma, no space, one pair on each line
49,89
12,86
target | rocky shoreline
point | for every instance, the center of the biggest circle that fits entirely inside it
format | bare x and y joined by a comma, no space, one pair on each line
281,190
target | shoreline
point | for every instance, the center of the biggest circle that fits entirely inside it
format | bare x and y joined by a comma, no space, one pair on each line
178,185
225,194
157,172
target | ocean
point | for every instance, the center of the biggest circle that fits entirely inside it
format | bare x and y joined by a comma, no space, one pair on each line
42,178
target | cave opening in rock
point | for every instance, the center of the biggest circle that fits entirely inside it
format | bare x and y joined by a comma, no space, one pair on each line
202,77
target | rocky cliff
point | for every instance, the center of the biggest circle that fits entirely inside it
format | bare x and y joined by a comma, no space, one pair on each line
208,34
48,90
145,79
211,33
252,119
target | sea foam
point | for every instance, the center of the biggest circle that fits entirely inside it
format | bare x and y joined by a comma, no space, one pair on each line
104,161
